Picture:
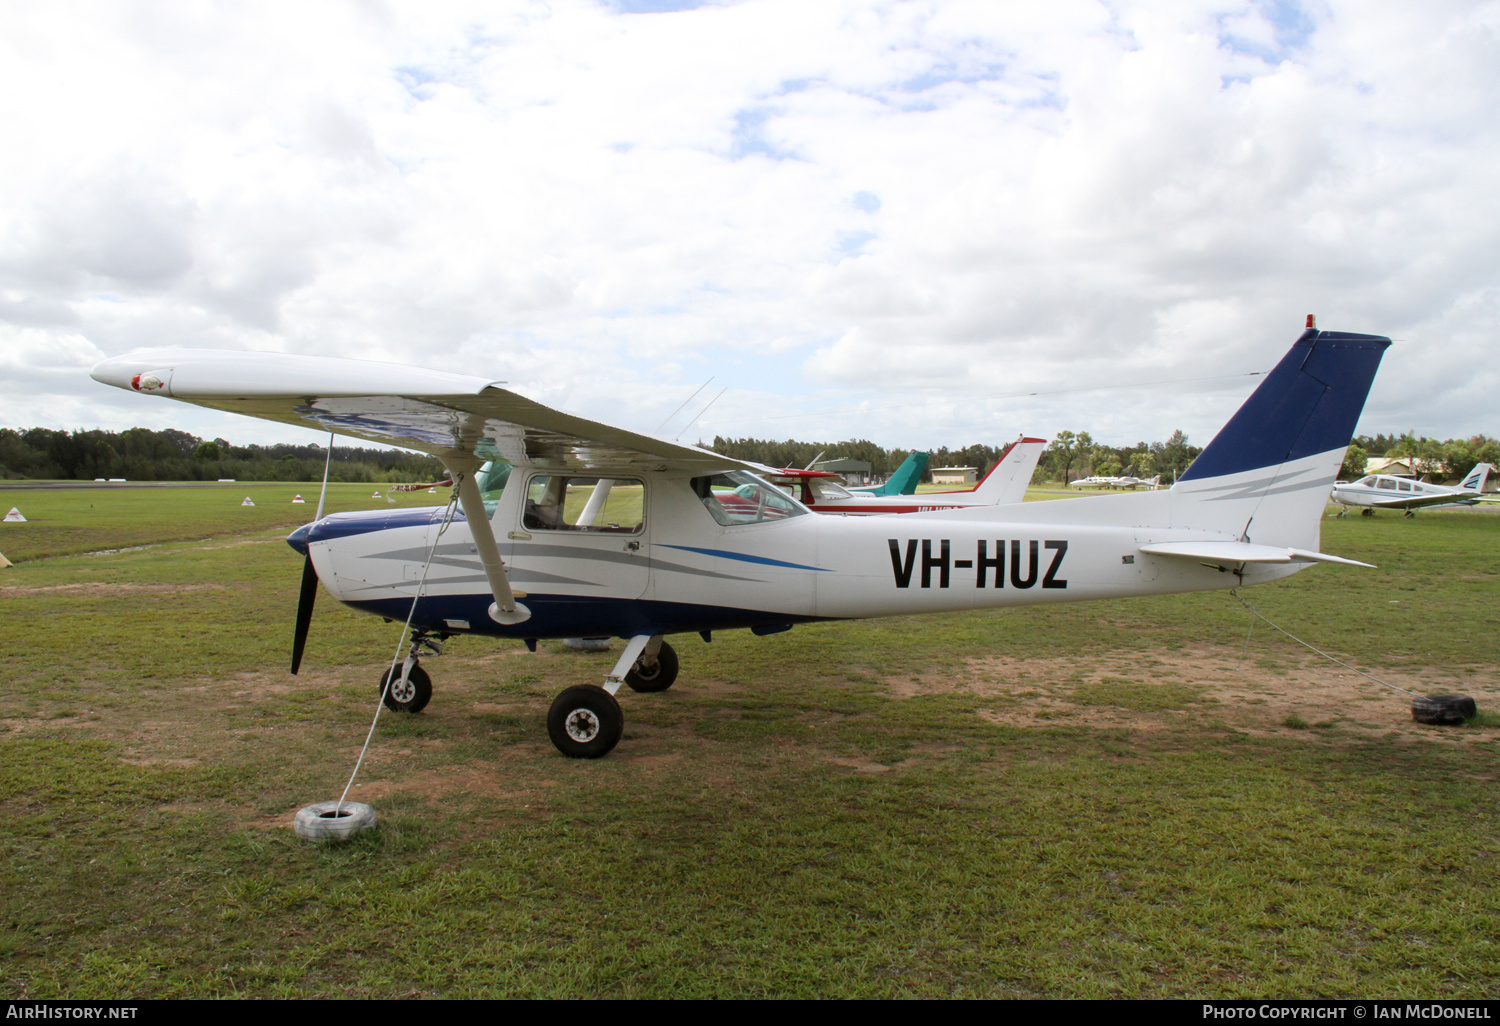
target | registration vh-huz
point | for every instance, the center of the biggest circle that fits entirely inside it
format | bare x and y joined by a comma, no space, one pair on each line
565,527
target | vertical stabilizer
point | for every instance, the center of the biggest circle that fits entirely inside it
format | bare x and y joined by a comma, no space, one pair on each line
904,481
1007,480
1265,477
1477,478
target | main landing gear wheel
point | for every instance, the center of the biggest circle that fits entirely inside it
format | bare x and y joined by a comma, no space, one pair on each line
410,695
1367,512
585,722
657,677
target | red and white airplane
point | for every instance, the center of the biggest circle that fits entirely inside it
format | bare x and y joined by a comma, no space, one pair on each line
1006,483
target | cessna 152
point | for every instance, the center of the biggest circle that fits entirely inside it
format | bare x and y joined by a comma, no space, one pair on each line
1006,482
1386,491
591,530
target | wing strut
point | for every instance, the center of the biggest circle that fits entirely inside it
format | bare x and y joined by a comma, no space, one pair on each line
506,609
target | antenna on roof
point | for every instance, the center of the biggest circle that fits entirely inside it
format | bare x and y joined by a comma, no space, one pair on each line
684,403
702,411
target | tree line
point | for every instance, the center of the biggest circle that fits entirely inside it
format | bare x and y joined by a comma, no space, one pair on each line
1451,458
1070,455
141,454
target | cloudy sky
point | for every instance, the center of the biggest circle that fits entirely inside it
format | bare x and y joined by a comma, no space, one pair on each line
922,223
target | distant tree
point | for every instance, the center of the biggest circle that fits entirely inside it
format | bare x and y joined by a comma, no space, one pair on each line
1426,455
1141,463
1355,461
1175,455
207,451
1065,449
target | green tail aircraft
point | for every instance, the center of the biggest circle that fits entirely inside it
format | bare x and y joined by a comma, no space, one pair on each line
904,480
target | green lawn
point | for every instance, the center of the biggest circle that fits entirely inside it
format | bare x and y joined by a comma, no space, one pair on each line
1083,800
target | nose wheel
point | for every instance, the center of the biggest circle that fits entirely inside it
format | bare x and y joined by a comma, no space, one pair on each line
407,693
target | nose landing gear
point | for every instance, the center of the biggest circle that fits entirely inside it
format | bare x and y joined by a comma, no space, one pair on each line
408,688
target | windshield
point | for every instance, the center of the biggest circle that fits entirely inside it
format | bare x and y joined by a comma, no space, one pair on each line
825,489
738,498
491,479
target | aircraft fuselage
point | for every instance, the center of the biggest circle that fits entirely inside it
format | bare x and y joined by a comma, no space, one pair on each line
679,570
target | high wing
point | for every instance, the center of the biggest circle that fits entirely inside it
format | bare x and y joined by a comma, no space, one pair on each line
462,420
451,416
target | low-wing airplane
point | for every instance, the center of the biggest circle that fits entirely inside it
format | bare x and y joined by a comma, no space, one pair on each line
1006,482
1117,482
585,530
904,481
1386,491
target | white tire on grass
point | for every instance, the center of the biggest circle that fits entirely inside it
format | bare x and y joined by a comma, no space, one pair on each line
331,821
588,644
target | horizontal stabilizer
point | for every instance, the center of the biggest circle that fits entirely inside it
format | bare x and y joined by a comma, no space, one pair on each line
1243,552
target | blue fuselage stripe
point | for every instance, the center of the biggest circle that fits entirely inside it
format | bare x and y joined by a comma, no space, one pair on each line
725,554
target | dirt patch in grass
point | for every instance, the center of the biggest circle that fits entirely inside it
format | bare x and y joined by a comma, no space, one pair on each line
20,724
861,765
98,588
492,780
1157,691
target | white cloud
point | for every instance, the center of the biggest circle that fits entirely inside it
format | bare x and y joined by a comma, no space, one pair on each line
840,209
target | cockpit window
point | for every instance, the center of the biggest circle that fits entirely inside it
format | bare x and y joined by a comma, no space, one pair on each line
1385,482
739,498
825,489
607,505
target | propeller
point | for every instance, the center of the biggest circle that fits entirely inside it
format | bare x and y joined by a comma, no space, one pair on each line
309,593
304,610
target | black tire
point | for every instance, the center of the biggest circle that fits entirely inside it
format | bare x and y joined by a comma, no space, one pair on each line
1444,710
585,722
658,677
1367,512
412,698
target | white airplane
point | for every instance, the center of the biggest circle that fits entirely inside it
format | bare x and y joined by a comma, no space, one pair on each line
587,530
1006,482
1386,491
1117,482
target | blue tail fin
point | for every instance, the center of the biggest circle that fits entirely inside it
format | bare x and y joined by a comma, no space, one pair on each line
1308,404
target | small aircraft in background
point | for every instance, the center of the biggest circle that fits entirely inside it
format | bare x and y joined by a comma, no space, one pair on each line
1006,483
580,529
1386,491
903,482
1126,482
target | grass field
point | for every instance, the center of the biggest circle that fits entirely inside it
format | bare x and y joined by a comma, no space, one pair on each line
1084,800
